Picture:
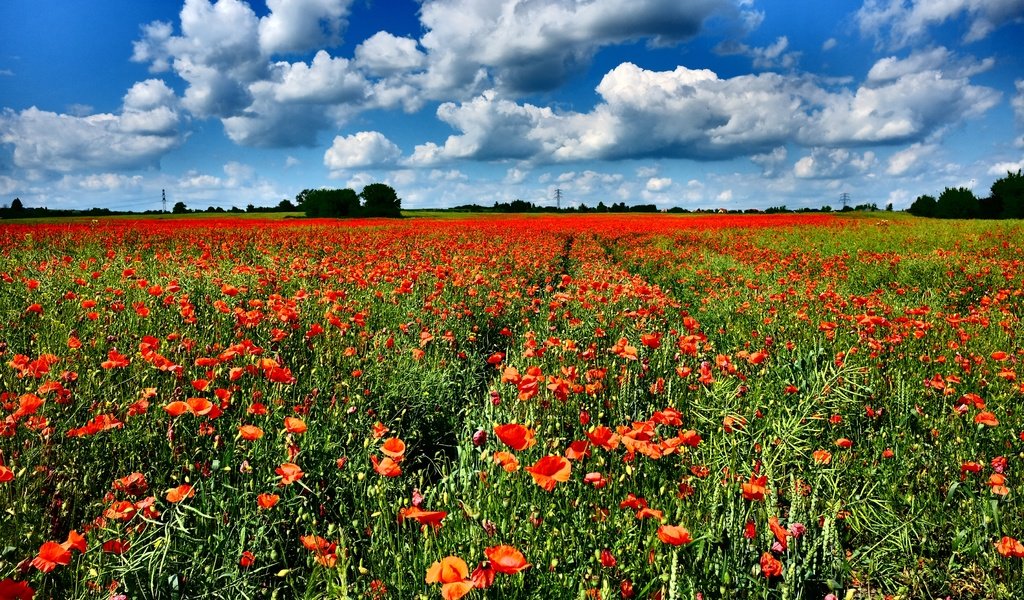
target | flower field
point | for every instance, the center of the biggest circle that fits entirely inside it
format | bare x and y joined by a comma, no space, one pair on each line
512,407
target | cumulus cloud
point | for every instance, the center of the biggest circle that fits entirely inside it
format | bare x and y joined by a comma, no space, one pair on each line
687,113
387,54
901,22
833,163
933,60
359,150
302,25
767,57
217,54
909,159
535,46
146,128
770,162
658,184
1002,168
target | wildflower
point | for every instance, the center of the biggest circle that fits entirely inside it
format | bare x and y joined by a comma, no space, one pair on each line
289,472
267,501
453,575
674,535
50,555
506,559
515,436
179,493
770,566
549,471
386,467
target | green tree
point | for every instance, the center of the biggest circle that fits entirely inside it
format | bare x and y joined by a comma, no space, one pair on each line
381,200
1008,192
328,202
956,203
17,206
924,206
179,208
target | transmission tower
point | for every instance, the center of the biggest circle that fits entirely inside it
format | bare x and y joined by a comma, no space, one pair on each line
844,198
558,198
163,200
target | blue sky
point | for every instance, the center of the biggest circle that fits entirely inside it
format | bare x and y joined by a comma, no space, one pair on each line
704,103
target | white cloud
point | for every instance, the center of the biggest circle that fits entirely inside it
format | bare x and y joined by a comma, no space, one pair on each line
238,174
325,80
515,176
302,25
359,150
1001,169
688,113
901,22
724,196
904,161
146,129
834,163
767,57
533,46
829,44
770,161
100,182
933,60
387,54
658,184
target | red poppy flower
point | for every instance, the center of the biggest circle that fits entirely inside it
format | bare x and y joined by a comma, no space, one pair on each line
246,560
50,555
549,471
424,517
386,467
515,436
755,489
75,541
116,546
6,474
16,590
608,559
179,493
267,501
1010,548
770,566
250,432
294,425
822,457
453,573
506,559
483,576
780,533
507,460
986,418
674,535
393,447
177,408
289,472
604,437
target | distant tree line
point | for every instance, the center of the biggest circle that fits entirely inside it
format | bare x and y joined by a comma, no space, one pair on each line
522,206
1005,201
376,200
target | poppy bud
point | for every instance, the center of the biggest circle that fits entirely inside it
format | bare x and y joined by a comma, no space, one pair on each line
479,438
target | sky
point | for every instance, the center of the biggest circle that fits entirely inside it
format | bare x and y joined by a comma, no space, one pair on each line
699,104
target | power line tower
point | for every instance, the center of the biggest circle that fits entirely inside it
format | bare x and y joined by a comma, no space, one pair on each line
844,198
558,198
163,200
